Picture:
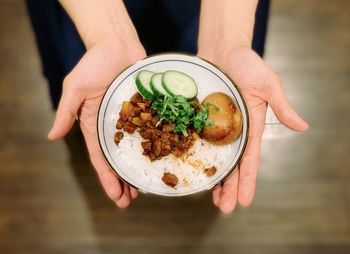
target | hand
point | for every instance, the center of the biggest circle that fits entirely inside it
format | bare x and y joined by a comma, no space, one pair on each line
260,86
83,89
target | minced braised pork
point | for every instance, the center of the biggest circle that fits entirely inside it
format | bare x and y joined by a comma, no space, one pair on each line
170,179
160,143
160,140
210,171
118,137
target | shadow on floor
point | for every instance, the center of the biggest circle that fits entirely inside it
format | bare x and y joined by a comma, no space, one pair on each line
155,223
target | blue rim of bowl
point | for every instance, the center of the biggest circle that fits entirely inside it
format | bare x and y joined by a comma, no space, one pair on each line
228,171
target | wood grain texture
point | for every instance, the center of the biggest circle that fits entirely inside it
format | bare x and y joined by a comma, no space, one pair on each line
52,202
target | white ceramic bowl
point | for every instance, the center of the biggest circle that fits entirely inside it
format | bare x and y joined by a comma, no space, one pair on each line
208,78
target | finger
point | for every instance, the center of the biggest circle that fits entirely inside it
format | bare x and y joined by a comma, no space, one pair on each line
228,199
110,182
125,198
67,111
217,194
282,108
116,190
248,169
134,192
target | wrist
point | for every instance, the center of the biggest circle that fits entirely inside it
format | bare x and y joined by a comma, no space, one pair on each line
118,30
210,47
226,25
101,20
117,48
111,36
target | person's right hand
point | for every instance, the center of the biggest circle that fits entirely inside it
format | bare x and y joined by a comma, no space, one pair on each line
83,89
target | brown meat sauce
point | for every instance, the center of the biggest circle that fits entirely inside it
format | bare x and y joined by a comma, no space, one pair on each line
160,139
170,179
210,171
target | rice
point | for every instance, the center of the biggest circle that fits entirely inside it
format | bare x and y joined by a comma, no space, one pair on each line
189,170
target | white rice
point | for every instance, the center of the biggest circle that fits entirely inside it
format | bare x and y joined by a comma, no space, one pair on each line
189,171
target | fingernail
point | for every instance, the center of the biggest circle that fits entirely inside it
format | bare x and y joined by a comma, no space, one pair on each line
245,200
134,193
226,207
49,135
216,201
306,126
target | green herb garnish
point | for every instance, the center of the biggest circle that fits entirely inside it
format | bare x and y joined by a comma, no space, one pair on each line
177,110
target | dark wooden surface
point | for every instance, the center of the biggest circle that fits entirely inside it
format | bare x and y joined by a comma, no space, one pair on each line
51,201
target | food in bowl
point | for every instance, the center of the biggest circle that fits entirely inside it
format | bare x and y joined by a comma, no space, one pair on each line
177,135
204,164
227,122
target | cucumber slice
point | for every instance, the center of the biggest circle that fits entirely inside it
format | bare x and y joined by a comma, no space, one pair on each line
179,83
143,83
156,85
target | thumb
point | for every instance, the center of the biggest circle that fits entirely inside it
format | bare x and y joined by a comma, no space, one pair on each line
67,110
283,110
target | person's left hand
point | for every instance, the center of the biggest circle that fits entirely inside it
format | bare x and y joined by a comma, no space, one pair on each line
260,86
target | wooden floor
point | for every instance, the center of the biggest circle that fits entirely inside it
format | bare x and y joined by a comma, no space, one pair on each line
51,202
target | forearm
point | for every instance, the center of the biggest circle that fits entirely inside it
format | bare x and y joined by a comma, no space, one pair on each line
98,20
226,22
